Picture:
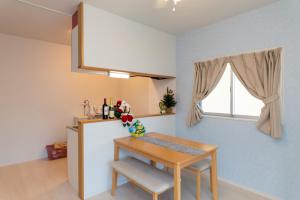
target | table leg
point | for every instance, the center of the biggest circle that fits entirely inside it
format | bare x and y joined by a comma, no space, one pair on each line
177,183
116,152
214,176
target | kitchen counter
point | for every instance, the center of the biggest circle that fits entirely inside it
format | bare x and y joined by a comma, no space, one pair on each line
91,149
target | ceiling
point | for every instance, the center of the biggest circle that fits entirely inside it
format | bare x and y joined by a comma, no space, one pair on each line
189,15
25,20
35,22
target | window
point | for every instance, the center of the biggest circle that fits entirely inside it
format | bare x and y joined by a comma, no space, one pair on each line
230,98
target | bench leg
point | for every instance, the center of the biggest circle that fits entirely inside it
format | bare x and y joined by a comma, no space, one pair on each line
198,187
152,163
114,182
211,181
166,169
155,196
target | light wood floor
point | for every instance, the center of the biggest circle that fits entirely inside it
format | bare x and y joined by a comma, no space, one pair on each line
47,180
36,180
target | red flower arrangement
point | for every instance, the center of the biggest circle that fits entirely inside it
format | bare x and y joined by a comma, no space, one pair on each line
122,111
126,119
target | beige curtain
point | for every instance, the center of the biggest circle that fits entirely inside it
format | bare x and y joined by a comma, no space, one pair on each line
207,76
260,73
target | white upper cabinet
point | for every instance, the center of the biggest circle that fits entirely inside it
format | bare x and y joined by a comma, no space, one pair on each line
111,42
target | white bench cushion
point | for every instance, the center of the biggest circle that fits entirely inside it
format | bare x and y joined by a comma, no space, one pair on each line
202,165
151,178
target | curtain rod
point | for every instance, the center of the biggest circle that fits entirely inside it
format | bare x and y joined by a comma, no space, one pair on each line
248,52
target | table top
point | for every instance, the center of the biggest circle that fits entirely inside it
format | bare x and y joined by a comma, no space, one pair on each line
168,157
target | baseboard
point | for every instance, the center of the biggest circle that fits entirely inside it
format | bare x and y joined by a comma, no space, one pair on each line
21,161
244,188
221,181
122,180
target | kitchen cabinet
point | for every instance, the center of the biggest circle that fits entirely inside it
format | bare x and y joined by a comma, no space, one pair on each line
103,41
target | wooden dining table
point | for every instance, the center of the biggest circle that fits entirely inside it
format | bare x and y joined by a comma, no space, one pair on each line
171,158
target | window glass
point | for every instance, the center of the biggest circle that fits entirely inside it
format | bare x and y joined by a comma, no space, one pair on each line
219,99
243,102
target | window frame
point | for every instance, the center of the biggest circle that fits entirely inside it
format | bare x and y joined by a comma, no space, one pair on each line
230,115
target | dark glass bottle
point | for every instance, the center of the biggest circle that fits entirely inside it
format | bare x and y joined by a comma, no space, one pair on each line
105,110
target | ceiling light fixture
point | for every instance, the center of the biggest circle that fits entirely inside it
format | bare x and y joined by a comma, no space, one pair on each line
175,2
85,71
115,74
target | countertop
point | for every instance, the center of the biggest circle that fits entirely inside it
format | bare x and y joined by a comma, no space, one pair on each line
86,121
75,128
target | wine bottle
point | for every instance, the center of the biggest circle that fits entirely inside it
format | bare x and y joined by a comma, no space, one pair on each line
111,109
105,110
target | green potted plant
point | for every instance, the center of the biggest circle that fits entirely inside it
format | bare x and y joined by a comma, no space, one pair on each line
168,101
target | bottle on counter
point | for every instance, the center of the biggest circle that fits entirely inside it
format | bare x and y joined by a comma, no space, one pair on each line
111,109
105,110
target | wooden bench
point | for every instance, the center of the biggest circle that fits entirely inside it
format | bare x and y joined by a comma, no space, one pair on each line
145,176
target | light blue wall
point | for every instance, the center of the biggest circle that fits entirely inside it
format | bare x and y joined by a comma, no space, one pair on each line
246,156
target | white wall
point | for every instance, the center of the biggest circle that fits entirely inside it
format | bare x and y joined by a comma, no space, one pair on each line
246,156
40,95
